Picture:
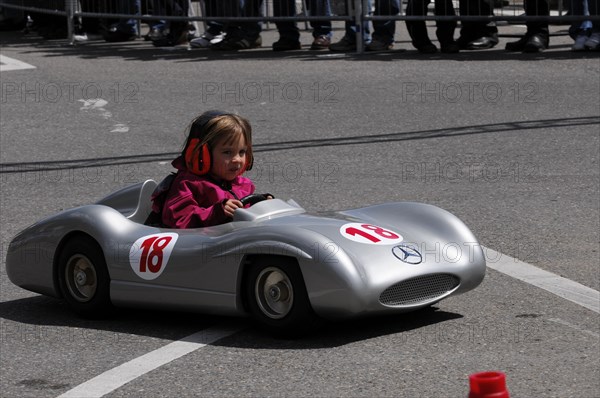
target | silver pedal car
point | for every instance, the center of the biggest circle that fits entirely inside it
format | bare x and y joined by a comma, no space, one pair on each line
284,267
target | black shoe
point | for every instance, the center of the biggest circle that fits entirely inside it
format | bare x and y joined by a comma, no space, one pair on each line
518,45
285,44
379,45
345,45
482,43
536,43
426,48
234,44
463,42
529,43
451,47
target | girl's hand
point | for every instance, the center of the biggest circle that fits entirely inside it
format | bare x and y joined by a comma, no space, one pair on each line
230,206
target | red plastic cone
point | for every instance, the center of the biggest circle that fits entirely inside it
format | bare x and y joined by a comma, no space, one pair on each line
488,385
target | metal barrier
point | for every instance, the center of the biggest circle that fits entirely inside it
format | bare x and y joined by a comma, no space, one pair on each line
355,12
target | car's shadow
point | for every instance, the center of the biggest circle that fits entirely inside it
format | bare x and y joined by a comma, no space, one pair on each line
36,316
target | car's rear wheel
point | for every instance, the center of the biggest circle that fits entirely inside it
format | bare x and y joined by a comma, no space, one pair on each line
83,277
277,297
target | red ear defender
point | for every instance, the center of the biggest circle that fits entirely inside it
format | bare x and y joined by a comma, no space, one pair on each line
197,157
248,165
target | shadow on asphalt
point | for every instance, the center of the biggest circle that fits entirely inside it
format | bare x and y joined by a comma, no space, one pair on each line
140,50
43,317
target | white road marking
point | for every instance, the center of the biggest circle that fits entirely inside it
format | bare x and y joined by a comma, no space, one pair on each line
123,374
7,64
98,106
574,327
556,284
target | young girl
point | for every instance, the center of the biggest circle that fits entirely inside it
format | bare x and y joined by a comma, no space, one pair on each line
208,185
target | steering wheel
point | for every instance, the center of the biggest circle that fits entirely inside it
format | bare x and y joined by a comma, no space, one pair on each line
252,199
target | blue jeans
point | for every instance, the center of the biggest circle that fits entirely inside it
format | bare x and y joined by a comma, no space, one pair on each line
131,7
171,8
289,29
383,30
580,7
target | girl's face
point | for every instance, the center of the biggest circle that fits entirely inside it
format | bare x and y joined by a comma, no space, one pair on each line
228,158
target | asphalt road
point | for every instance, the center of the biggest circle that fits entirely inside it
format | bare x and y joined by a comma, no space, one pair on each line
508,142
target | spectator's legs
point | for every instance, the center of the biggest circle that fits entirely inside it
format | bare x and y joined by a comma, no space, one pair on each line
241,35
537,36
127,26
538,8
318,8
321,29
477,35
418,29
289,35
214,8
251,8
445,29
384,31
593,42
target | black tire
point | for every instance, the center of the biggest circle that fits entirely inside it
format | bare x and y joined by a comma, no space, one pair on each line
277,298
83,277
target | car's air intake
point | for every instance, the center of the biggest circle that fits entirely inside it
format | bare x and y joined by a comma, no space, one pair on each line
419,290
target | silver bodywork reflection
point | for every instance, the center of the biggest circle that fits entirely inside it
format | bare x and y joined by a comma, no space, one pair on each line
203,269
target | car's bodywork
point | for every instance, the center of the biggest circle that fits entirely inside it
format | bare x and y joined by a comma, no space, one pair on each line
392,257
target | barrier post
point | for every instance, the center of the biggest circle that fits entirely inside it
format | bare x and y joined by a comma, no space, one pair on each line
358,21
70,6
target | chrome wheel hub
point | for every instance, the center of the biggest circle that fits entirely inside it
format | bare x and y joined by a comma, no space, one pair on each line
274,293
80,277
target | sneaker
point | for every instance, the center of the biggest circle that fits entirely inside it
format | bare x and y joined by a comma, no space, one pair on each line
345,45
593,42
579,44
80,37
218,38
378,45
321,43
202,41
234,44
285,44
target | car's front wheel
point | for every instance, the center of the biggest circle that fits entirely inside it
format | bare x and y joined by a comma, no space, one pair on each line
83,277
277,297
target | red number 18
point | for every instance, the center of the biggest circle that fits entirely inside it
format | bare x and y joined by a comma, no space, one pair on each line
153,249
383,233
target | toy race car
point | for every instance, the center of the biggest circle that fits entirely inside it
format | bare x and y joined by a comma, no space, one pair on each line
286,268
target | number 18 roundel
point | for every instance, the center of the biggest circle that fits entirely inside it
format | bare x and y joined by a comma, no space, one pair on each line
150,254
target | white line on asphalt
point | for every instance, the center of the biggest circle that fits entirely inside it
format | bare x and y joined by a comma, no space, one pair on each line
556,284
7,64
574,327
123,374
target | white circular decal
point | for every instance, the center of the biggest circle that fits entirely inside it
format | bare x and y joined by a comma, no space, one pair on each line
371,234
150,254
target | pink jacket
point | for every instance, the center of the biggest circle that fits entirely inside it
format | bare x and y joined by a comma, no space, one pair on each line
195,201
